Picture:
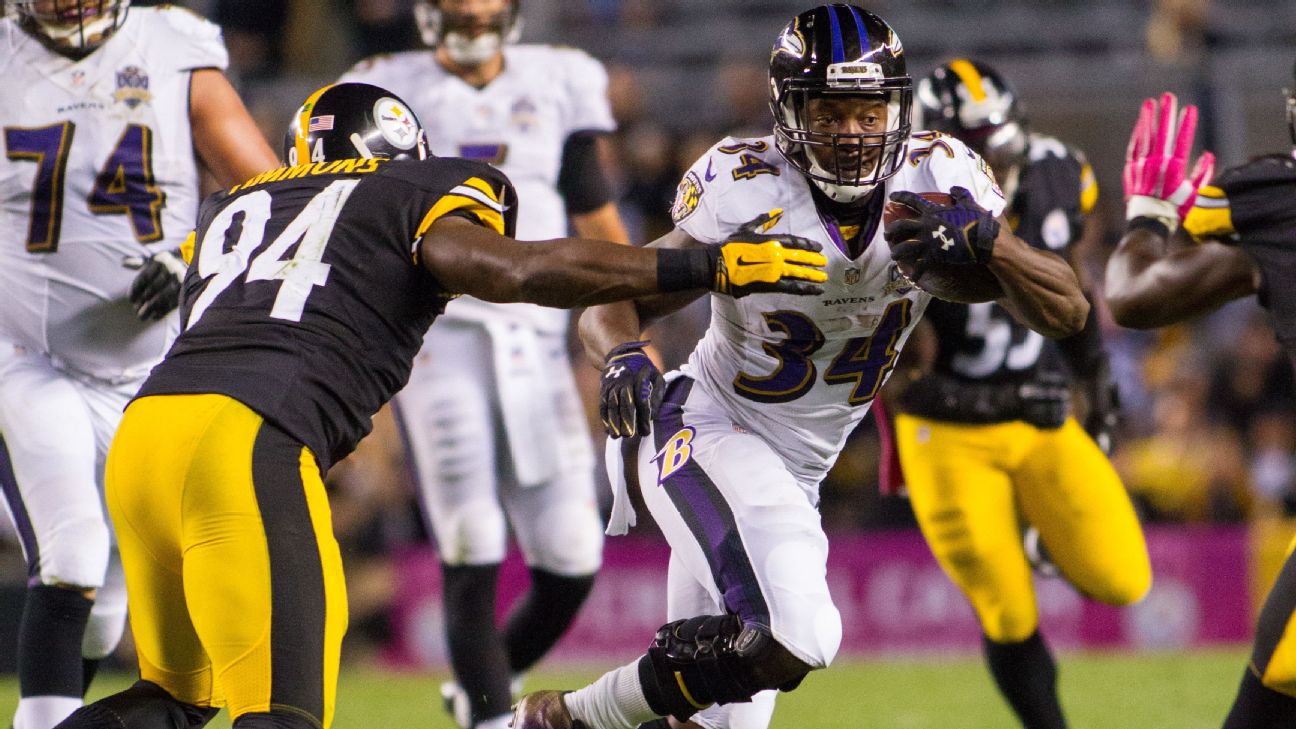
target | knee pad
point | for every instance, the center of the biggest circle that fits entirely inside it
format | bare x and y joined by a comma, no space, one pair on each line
714,659
475,534
565,539
144,704
76,555
107,617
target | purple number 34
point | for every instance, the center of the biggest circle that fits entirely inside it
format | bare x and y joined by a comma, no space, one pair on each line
124,186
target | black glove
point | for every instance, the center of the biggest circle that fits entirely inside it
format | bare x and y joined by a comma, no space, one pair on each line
960,233
155,292
630,390
1103,420
751,261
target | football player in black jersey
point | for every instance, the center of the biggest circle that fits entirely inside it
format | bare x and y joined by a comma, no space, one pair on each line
985,437
307,297
1243,228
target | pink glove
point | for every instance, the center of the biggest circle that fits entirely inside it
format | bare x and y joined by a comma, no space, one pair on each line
1156,159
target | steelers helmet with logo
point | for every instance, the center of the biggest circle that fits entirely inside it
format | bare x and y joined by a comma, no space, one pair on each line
353,120
970,100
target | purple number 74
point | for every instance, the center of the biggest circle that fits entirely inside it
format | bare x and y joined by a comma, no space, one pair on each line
124,186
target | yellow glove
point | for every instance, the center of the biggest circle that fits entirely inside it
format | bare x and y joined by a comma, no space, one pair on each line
752,261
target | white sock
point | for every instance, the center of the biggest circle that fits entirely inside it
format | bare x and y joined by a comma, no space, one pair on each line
614,701
43,712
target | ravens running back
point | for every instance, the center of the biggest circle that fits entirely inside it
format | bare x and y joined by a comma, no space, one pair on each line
730,463
1244,226
986,438
307,297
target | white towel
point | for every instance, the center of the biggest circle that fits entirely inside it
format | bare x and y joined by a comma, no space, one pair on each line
623,514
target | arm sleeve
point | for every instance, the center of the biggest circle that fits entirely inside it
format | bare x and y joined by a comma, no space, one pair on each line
190,41
581,181
1210,215
587,100
696,207
459,188
950,163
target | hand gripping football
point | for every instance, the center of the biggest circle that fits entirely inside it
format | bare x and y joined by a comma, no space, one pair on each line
963,284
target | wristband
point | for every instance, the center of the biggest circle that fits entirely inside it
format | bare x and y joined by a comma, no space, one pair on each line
684,270
1153,225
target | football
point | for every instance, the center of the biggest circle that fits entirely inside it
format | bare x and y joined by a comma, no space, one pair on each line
969,284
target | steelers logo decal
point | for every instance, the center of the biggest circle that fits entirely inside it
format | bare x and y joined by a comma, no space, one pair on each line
1056,229
687,197
396,122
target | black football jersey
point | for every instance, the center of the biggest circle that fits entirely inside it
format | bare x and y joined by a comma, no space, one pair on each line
1254,205
305,299
983,342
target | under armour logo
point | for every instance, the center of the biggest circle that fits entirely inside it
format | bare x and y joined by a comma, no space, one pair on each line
614,371
946,241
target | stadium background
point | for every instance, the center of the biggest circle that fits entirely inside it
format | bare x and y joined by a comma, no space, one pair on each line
1209,446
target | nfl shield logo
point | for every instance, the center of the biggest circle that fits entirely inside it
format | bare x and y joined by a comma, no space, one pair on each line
852,276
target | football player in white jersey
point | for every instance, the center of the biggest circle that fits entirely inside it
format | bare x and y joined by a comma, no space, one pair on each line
729,462
104,108
493,422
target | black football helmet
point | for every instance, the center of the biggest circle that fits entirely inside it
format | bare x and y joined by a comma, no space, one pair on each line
72,28
440,28
973,102
842,50
346,121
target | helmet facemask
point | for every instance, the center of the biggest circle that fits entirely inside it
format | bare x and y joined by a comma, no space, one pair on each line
73,28
845,166
455,32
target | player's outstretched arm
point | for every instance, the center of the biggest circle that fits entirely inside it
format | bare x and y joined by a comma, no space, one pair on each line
571,272
227,139
1149,285
630,386
1039,287
605,326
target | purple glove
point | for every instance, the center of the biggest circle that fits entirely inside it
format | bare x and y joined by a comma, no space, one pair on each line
630,390
960,233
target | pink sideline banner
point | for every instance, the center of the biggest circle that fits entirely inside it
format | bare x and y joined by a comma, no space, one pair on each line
892,595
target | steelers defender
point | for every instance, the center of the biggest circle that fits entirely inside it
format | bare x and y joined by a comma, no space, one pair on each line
308,293
730,464
1243,231
492,420
986,438
109,113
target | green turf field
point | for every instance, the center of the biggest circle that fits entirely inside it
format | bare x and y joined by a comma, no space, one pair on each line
1119,691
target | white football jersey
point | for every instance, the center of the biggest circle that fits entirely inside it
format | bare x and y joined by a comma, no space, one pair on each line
800,371
99,165
518,122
